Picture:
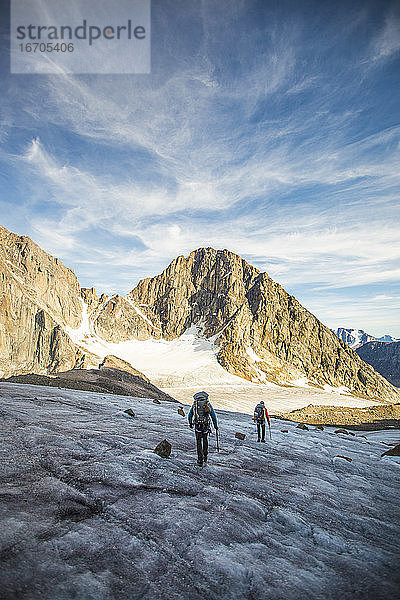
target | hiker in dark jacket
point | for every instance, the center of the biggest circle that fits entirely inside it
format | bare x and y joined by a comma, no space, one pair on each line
200,414
260,414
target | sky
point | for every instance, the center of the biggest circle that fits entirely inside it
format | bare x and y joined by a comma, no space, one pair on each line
268,128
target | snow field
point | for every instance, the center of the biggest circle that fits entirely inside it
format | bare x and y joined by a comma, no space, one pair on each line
181,366
89,511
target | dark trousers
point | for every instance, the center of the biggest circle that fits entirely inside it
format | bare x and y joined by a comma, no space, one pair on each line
261,427
202,445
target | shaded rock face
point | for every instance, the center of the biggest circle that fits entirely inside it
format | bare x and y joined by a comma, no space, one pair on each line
384,357
105,380
113,362
39,296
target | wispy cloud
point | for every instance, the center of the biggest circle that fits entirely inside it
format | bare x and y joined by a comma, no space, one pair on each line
387,41
254,132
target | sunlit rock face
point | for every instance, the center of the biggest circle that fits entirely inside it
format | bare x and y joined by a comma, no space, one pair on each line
263,333
39,297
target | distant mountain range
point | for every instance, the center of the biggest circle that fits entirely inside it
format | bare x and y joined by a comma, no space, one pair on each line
260,333
357,337
382,353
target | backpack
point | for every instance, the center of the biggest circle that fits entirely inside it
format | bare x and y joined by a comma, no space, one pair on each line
201,411
259,413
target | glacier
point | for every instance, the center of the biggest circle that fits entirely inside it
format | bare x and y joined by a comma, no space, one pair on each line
89,511
181,366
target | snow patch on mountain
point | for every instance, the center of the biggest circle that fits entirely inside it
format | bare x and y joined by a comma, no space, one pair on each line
189,359
140,313
357,337
252,355
336,390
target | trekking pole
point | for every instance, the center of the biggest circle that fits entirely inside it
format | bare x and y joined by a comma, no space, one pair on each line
270,436
216,433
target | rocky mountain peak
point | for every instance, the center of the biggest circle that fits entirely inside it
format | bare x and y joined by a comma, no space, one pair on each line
259,331
262,332
90,297
207,286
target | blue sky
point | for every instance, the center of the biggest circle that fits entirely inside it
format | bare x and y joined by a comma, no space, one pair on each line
271,129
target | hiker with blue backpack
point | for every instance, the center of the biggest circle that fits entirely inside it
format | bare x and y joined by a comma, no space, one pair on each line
260,415
199,416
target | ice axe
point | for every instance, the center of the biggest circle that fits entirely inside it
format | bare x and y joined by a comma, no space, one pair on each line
216,433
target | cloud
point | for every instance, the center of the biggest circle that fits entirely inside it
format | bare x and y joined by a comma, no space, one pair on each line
387,42
271,144
385,297
330,248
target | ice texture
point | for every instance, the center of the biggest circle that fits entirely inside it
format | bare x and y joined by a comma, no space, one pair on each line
89,511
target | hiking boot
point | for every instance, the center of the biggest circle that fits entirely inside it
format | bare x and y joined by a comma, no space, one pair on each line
199,462
258,440
263,441
205,460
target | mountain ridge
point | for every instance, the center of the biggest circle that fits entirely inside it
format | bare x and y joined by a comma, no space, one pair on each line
262,333
355,338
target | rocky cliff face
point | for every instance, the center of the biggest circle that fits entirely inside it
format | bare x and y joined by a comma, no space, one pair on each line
384,357
262,333
118,319
39,297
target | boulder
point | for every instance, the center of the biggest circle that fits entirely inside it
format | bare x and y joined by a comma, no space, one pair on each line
302,426
113,362
163,449
284,430
395,451
345,457
129,412
344,431
240,436
156,401
181,411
